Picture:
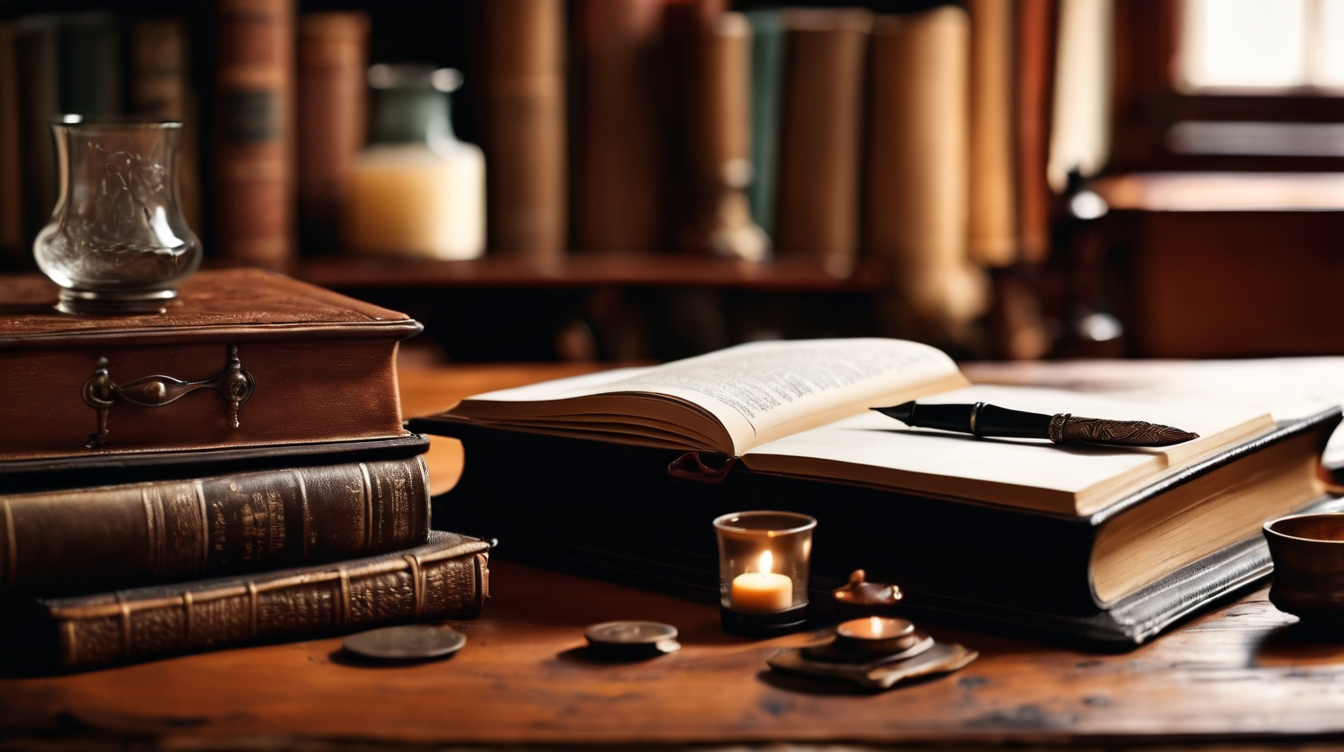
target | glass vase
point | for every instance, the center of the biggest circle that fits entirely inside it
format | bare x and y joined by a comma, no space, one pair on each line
117,241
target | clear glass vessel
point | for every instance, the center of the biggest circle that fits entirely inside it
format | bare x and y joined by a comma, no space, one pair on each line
117,241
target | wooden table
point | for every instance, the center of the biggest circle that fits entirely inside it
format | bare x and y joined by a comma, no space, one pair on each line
1242,672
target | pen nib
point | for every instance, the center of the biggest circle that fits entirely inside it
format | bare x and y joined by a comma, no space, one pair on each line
901,412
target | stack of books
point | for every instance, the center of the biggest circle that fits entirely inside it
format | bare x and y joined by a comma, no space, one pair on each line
231,471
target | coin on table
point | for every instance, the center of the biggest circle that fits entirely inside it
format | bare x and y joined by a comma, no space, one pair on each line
633,635
408,642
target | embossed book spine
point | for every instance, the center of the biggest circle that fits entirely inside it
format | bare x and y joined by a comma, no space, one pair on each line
446,578
253,206
90,539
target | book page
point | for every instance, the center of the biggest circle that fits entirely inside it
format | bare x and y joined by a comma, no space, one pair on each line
1072,479
755,392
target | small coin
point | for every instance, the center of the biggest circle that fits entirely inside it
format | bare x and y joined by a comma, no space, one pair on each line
407,642
633,634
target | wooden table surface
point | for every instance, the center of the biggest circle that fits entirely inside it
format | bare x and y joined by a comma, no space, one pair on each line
1241,672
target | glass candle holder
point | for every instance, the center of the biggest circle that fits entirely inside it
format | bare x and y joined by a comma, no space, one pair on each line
117,241
763,568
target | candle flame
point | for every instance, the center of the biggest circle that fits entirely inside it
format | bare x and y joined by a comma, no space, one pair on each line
767,561
875,624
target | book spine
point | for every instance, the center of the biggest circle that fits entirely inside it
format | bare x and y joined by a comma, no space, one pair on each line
253,221
118,536
767,88
621,141
445,579
332,113
12,250
36,43
993,209
1034,30
158,86
821,138
917,173
525,146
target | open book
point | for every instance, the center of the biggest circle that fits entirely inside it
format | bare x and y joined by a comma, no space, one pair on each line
802,408
1109,543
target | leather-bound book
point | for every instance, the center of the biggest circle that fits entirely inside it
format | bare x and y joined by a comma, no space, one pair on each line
525,147
621,143
446,578
242,358
83,540
1034,36
252,209
332,119
821,137
993,209
159,86
915,216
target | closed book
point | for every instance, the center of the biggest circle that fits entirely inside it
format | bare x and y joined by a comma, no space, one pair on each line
242,358
621,140
159,85
821,136
83,540
445,578
252,142
332,117
525,137
767,86
981,527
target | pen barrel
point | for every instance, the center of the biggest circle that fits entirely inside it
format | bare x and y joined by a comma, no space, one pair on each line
1011,424
982,420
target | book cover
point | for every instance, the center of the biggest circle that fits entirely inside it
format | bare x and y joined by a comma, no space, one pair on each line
159,85
322,367
446,578
14,253
768,43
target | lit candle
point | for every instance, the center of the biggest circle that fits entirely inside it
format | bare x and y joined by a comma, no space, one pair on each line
764,591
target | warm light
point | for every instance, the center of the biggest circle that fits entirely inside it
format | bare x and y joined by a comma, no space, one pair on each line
875,626
762,591
767,562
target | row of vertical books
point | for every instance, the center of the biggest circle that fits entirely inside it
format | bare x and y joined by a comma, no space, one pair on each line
232,471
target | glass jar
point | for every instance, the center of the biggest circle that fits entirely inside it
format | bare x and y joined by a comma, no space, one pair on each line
416,190
117,241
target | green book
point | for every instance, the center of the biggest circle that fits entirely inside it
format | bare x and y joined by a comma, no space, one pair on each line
767,79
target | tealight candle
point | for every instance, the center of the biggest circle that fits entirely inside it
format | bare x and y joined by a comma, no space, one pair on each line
763,591
877,634
763,563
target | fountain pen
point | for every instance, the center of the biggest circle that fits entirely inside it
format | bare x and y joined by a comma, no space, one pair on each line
985,420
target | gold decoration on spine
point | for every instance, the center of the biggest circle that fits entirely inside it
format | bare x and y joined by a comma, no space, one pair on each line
252,610
417,583
127,643
346,606
188,616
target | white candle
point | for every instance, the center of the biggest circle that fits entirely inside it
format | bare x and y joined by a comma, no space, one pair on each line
764,591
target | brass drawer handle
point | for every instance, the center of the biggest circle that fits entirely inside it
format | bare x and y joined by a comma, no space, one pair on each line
233,384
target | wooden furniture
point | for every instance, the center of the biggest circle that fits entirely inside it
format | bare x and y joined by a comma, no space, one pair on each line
609,306
1243,672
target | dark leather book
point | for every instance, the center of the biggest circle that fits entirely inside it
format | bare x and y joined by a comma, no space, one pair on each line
446,578
957,561
311,366
993,524
83,540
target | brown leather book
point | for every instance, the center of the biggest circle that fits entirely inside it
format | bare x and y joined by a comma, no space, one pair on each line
821,127
311,366
89,539
993,206
446,578
332,118
1034,35
252,210
915,217
159,86
621,139
525,147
